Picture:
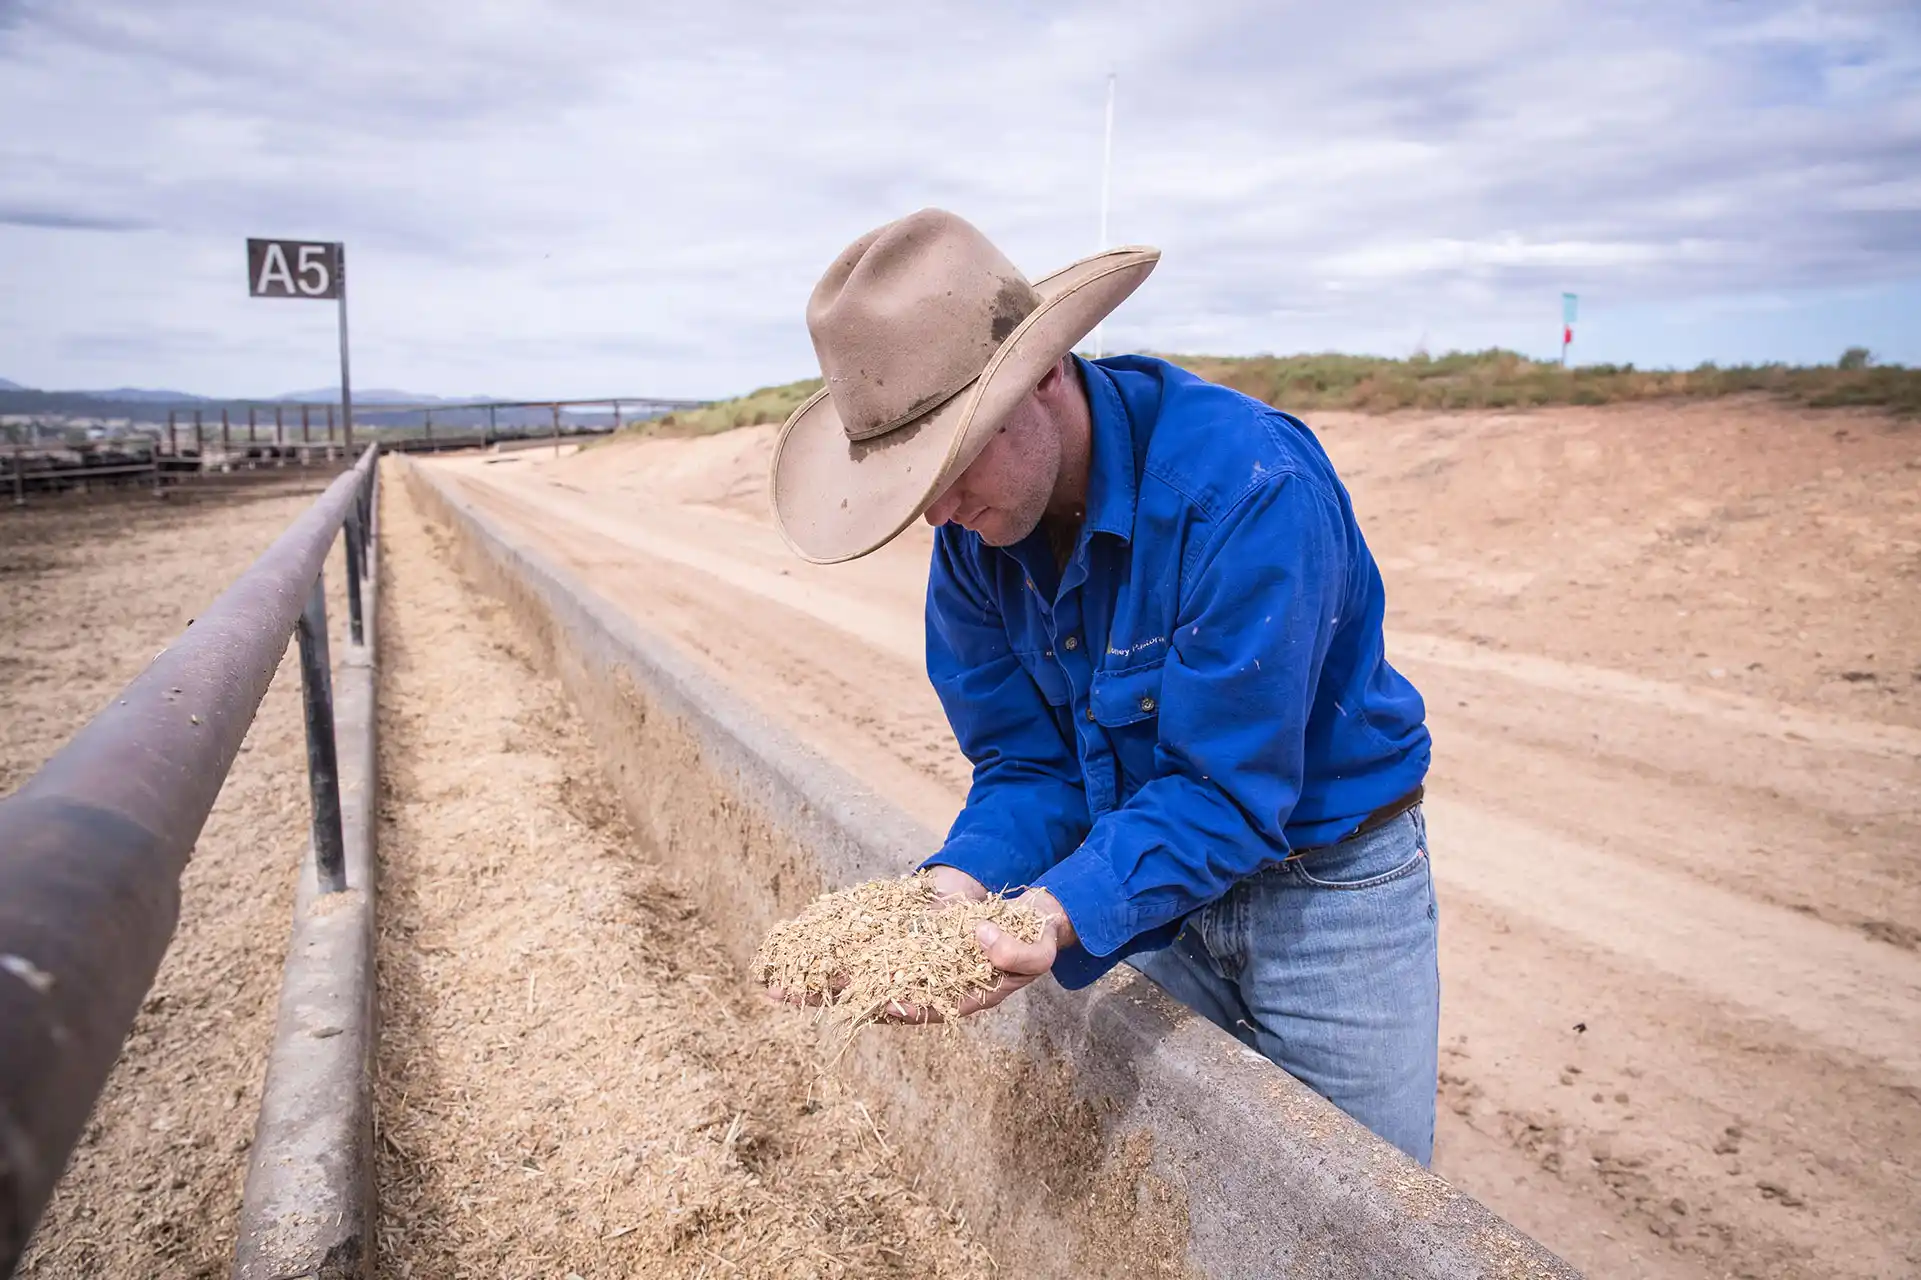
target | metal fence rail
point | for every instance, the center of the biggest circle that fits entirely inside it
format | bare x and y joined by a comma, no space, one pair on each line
93,845
192,444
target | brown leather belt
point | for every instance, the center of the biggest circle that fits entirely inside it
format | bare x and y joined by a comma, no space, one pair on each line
1372,822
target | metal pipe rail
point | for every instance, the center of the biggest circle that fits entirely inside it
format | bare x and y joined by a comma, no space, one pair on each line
93,845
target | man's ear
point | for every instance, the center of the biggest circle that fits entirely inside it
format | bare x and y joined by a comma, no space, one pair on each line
1051,381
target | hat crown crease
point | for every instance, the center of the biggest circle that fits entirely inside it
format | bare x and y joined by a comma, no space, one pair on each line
909,315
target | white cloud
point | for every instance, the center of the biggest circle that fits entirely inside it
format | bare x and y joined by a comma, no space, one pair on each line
583,198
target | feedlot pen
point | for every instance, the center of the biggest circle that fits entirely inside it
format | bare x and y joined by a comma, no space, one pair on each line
88,593
572,1076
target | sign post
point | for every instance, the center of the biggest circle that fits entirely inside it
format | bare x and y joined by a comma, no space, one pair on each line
306,269
1570,306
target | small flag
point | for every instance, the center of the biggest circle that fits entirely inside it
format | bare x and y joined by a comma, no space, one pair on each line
1567,334
1570,307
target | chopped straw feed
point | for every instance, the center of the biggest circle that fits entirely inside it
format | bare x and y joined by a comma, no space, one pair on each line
860,951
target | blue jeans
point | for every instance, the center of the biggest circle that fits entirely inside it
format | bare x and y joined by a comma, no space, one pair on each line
1327,964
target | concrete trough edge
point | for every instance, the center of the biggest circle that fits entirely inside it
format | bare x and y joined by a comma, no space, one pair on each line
1274,1180
308,1210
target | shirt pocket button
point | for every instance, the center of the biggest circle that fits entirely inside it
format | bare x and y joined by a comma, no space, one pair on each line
1090,715
1071,643
1147,704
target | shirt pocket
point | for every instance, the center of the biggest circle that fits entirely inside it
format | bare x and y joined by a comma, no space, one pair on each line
1122,698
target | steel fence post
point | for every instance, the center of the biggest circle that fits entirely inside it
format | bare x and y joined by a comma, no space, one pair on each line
323,764
354,551
373,512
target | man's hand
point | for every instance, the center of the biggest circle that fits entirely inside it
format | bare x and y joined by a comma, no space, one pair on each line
951,885
1020,962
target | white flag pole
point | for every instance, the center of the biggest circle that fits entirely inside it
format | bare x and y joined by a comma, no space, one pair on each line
1107,167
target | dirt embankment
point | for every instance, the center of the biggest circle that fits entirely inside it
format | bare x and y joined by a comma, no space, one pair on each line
1672,657
89,592
574,1078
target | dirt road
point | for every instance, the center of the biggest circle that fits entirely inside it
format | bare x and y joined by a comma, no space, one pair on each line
1672,657
89,591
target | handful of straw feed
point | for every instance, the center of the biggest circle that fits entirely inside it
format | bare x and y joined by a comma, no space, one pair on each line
860,951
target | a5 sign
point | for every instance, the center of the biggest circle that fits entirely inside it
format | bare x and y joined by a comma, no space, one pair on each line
295,268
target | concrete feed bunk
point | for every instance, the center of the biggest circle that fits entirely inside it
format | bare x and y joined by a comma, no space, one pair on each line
1099,1132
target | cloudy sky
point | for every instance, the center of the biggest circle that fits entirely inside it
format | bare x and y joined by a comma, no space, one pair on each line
599,197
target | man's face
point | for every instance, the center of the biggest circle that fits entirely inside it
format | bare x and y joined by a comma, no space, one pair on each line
1004,493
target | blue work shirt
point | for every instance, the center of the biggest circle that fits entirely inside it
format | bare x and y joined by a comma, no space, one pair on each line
1201,690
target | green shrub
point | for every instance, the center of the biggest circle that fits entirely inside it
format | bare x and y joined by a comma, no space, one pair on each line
1498,379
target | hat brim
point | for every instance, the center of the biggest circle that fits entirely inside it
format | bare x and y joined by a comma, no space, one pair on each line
838,499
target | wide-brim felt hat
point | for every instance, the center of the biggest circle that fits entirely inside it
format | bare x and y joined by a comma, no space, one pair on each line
927,337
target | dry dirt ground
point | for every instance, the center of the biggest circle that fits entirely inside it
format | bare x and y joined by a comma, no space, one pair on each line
574,1080
89,592
1672,657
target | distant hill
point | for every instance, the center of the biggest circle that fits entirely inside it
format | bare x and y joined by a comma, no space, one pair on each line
139,395
117,395
143,404
318,395
375,395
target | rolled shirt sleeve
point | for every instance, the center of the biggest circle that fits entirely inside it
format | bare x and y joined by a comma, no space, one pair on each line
1026,807
1239,684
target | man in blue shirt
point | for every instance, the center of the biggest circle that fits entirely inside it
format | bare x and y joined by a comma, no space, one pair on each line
1156,631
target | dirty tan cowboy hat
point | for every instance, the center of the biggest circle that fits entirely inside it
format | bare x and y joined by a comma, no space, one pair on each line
928,337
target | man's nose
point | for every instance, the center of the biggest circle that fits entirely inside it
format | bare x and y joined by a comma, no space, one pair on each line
943,509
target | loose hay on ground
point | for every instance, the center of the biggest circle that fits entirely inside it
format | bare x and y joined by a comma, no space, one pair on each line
888,945
574,1078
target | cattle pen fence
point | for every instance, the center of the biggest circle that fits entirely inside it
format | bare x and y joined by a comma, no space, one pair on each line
92,846
173,444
